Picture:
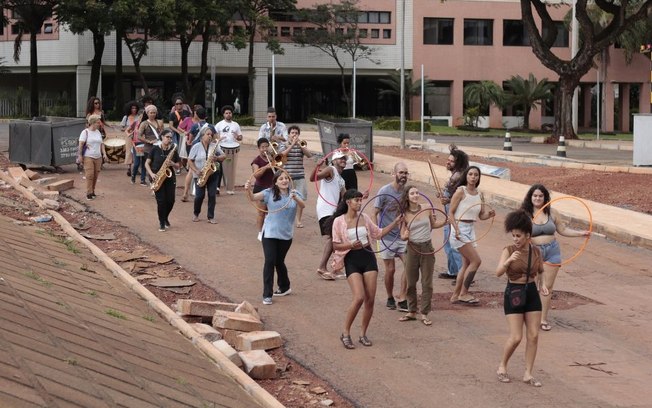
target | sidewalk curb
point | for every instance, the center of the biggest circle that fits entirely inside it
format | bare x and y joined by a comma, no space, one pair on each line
247,383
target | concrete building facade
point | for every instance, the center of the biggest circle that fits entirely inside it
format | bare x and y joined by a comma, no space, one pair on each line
457,42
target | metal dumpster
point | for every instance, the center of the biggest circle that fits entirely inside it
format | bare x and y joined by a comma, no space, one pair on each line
359,130
45,140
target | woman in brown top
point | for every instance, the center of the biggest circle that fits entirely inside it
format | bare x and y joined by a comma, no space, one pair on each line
514,263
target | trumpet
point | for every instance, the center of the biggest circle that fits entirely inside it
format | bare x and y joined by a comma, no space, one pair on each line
358,161
303,143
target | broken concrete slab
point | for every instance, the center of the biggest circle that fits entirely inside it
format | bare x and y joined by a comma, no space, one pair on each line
258,364
205,308
223,319
100,237
246,307
61,185
258,340
171,282
206,331
230,353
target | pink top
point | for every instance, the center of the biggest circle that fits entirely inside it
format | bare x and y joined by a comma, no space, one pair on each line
340,236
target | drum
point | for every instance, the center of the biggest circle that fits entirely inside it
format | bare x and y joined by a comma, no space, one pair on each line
115,149
230,149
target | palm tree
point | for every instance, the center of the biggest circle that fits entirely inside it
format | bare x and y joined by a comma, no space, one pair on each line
527,93
412,89
481,95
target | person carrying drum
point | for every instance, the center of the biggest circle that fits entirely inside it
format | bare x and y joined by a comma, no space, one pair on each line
229,134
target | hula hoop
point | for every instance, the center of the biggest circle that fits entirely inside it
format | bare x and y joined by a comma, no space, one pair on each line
586,240
320,162
488,229
382,215
290,190
410,224
357,222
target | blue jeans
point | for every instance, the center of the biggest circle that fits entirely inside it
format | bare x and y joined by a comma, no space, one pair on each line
139,164
209,189
454,257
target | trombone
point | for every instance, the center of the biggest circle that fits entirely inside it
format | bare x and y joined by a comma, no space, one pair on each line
278,159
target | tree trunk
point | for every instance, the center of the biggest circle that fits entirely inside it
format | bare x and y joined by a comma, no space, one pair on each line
117,83
33,75
251,72
139,72
526,116
563,107
198,88
185,42
98,48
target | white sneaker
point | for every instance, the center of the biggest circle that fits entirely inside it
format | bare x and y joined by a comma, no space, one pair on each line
267,301
230,192
279,293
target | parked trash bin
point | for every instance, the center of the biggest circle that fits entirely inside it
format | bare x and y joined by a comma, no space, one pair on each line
359,130
45,140
642,140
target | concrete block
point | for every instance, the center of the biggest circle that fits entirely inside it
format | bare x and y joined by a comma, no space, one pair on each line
236,321
16,173
32,175
206,331
189,307
51,204
258,364
230,336
62,185
44,180
228,351
28,184
53,195
246,307
258,340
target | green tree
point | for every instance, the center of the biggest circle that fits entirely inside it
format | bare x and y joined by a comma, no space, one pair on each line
30,16
412,88
254,14
595,38
335,32
527,93
482,95
94,16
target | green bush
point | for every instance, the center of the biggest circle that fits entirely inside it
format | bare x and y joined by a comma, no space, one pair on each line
245,120
410,125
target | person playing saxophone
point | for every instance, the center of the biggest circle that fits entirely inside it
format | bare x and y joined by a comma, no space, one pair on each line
158,165
201,157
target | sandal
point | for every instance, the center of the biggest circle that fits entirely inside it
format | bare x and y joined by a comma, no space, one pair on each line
408,317
546,326
426,321
299,225
346,340
503,377
532,382
325,274
184,199
365,341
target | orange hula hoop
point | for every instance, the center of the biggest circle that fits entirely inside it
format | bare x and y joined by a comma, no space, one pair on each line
586,240
261,170
488,229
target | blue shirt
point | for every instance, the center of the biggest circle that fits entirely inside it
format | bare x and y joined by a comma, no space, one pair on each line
279,224
388,209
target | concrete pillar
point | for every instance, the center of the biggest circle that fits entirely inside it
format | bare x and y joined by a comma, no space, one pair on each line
495,117
608,106
535,118
623,103
261,94
644,102
83,83
588,108
457,101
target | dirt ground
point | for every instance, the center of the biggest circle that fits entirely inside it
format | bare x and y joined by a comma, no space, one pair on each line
603,297
622,190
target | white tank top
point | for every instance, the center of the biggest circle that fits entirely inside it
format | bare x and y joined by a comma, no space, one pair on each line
329,190
467,202
362,235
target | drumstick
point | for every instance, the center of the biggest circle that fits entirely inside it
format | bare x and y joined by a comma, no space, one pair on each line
432,173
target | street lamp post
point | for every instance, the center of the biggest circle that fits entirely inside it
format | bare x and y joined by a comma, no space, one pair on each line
402,79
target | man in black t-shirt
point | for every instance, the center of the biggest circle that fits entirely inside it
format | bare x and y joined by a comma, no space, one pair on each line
165,194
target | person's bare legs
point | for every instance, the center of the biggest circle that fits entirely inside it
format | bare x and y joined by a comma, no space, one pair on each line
260,217
402,295
549,276
370,281
299,216
515,323
390,269
357,286
459,280
472,258
328,250
532,320
186,185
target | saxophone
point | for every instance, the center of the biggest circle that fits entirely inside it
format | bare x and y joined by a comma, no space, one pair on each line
164,172
209,168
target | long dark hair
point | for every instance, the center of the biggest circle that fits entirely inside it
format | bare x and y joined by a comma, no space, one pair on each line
404,201
462,181
275,190
342,207
90,106
527,205
461,158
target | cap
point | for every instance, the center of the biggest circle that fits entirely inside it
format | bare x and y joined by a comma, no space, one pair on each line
338,155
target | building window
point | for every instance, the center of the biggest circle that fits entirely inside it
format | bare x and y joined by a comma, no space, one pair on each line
438,31
362,33
478,32
375,33
514,33
238,30
296,31
373,18
273,32
363,17
47,28
140,30
385,17
562,35
285,31
14,29
387,33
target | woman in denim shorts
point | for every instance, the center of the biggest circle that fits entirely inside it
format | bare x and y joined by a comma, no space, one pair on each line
545,225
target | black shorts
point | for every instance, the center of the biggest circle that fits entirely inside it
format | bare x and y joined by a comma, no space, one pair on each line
360,261
532,299
324,227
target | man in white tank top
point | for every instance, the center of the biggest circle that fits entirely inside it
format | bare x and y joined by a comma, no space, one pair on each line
331,188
